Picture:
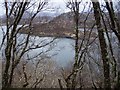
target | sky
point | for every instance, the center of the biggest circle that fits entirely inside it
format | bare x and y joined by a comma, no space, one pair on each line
54,3
58,5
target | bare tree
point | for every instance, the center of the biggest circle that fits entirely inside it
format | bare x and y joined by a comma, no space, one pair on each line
115,26
103,45
81,42
15,50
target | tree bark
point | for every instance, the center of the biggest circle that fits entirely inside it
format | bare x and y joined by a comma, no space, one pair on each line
114,21
103,45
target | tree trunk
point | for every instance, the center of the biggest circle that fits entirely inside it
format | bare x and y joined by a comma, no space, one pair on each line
103,45
114,22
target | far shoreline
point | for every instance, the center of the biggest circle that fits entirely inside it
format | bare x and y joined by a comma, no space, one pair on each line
56,36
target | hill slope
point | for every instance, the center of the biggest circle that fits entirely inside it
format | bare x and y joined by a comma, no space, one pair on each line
61,26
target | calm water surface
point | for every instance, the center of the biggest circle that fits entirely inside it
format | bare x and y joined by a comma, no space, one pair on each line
61,50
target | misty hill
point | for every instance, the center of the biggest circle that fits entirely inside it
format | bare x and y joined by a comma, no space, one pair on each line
61,26
41,17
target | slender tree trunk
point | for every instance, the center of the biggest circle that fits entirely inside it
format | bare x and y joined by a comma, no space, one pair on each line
5,78
114,61
114,21
71,79
103,45
76,66
11,75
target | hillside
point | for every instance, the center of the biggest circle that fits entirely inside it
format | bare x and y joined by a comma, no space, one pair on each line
61,26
